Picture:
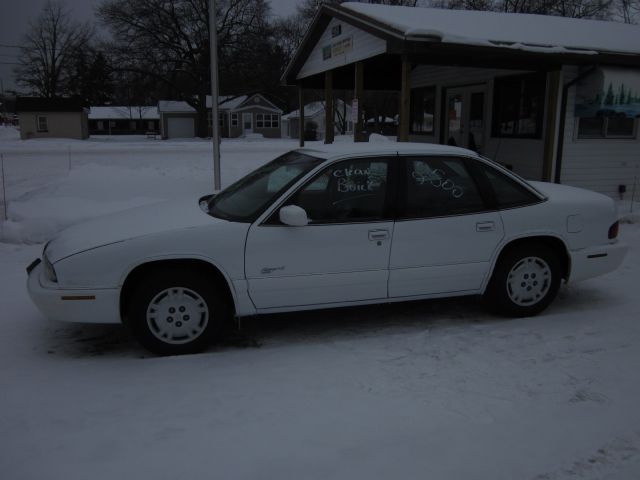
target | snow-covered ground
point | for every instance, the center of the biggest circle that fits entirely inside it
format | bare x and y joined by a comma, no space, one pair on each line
433,390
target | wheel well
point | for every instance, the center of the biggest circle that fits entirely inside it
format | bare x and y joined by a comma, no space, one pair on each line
553,243
194,265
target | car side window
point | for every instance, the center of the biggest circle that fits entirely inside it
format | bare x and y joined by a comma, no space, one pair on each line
349,191
508,193
439,186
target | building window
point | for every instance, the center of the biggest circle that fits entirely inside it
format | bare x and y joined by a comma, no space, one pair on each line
100,125
518,106
234,119
607,126
267,120
42,124
423,107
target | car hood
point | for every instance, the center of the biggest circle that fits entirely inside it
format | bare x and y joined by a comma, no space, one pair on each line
128,224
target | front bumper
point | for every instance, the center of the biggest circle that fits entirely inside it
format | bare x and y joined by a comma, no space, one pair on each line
72,305
594,261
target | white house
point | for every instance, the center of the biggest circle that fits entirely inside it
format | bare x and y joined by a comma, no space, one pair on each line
554,98
239,115
314,113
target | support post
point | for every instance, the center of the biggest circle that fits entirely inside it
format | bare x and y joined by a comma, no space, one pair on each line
553,108
328,107
405,96
301,116
4,188
358,93
215,120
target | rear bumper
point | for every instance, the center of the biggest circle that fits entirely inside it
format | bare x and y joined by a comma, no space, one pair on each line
594,261
72,305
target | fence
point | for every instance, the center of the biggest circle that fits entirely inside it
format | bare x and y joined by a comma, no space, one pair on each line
4,189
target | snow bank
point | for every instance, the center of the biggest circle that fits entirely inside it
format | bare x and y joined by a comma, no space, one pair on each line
54,183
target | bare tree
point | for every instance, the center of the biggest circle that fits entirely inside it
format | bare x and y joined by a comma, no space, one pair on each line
168,40
50,49
600,9
628,10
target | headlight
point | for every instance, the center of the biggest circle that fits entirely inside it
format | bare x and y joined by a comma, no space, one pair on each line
49,271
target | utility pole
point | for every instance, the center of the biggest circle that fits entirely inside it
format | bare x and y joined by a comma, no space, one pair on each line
215,120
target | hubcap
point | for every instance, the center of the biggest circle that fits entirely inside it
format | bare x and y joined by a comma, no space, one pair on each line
177,315
529,281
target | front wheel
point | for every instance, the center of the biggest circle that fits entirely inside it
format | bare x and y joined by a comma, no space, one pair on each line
525,281
176,313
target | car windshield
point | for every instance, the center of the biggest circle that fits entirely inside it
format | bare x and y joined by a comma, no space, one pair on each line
247,198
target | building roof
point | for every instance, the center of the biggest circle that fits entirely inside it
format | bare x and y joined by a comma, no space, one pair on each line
229,102
225,102
124,113
315,108
452,37
538,33
40,104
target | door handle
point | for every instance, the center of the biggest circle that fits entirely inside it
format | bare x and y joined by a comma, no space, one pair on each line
377,235
485,227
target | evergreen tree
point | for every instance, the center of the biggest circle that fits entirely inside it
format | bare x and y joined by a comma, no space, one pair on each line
609,99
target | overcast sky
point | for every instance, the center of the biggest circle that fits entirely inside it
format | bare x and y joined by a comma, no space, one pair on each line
15,16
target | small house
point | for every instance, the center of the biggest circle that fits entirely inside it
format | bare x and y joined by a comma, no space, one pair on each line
52,118
124,120
314,120
239,116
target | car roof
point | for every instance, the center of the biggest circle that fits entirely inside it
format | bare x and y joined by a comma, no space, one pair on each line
339,150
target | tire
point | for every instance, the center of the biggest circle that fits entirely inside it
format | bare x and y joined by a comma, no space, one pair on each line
525,281
177,312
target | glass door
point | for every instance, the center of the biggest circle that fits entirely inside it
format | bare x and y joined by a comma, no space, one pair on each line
247,123
465,117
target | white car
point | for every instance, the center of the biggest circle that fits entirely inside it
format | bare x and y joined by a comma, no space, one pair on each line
328,227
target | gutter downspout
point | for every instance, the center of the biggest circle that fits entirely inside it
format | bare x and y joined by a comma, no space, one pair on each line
563,118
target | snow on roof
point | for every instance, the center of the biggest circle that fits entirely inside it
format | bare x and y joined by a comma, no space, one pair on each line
174,106
225,102
229,102
539,33
124,112
314,108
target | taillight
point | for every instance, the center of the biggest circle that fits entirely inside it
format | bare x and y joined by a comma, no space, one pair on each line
613,230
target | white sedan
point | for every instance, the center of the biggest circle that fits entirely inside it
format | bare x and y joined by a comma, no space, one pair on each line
328,227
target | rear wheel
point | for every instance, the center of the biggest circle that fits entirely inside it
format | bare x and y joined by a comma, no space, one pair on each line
174,313
525,281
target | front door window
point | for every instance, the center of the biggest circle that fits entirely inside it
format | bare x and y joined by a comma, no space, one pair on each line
247,123
465,114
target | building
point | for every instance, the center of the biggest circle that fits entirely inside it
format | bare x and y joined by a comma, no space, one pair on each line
556,99
314,114
52,118
124,120
238,115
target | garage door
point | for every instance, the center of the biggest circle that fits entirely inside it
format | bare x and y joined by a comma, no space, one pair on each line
181,128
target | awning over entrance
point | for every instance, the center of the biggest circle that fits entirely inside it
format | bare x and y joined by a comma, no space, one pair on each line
357,46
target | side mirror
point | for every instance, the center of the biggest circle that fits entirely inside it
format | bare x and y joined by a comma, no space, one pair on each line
294,216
